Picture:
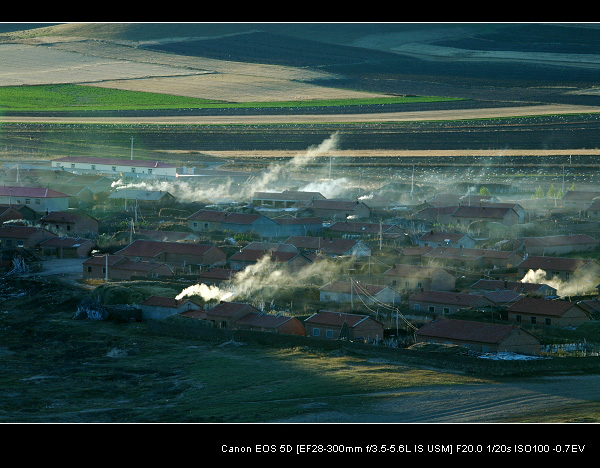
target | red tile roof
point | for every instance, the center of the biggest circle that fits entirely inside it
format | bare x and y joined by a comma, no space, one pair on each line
532,305
412,271
337,319
257,319
465,330
144,248
554,263
229,309
69,242
161,301
21,232
208,215
344,287
33,192
113,161
451,298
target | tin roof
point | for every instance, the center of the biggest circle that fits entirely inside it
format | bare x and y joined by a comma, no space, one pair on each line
465,330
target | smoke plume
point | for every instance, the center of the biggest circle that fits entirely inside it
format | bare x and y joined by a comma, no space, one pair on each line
266,278
578,284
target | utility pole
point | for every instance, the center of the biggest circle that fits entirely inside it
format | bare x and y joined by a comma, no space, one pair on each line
132,148
351,296
106,269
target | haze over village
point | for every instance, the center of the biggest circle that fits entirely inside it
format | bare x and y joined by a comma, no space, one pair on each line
459,232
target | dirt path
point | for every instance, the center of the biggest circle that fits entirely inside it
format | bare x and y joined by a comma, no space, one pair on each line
556,399
458,114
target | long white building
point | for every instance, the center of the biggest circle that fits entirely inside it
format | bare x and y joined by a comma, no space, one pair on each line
118,167
39,199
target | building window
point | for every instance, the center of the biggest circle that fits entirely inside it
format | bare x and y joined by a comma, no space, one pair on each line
329,333
548,321
149,171
205,225
114,168
407,284
394,283
93,167
446,310
533,320
88,269
417,307
28,201
518,318
195,224
104,270
72,166
133,169
431,309
316,332
37,201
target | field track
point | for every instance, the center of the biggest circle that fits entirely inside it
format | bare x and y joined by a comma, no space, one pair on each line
439,115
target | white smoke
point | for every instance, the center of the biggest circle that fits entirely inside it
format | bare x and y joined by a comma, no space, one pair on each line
578,284
328,188
277,172
184,191
265,278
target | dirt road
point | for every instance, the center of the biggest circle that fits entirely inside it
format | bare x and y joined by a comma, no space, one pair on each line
456,114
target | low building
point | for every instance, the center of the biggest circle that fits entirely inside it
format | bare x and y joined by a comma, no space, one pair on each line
13,236
160,307
579,200
563,268
216,276
446,239
441,215
123,167
544,312
67,247
247,257
224,314
543,290
118,267
271,323
480,337
70,223
207,220
446,302
285,199
341,325
465,215
10,213
181,255
298,226
346,292
412,277
554,245
472,258
40,200
350,229
148,198
330,246
339,209
250,223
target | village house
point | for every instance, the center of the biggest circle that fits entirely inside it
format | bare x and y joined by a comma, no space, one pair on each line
250,223
437,215
544,312
465,215
593,211
67,247
480,337
181,255
342,292
70,223
350,229
563,268
13,236
247,257
10,213
40,200
446,239
167,236
339,209
216,276
118,267
554,245
412,255
285,199
411,277
122,167
446,302
538,289
224,314
160,307
298,226
147,198
472,258
341,325
579,200
270,323
330,246
206,220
